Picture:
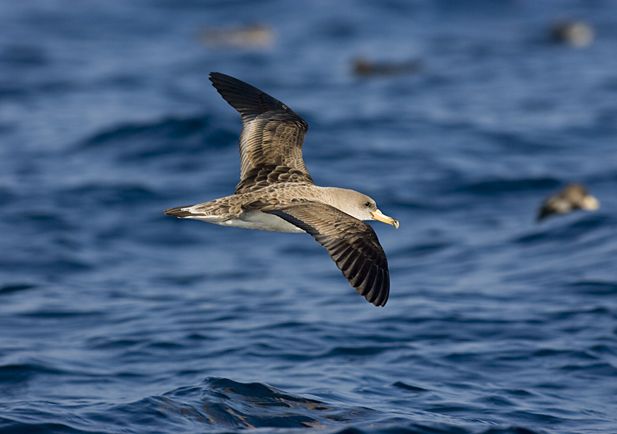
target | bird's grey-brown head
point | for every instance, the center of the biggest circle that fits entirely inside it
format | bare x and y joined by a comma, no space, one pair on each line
573,197
359,205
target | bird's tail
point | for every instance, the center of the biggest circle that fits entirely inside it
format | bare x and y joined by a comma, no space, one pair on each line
179,211
213,212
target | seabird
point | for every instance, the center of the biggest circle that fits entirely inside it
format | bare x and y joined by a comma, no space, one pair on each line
250,36
276,192
365,67
574,33
571,198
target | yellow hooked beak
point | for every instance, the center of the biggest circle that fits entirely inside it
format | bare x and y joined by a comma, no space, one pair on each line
379,216
591,203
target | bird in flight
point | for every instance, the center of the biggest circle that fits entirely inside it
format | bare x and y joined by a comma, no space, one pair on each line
276,192
573,197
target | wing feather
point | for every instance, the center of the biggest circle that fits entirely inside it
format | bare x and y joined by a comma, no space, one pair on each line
271,139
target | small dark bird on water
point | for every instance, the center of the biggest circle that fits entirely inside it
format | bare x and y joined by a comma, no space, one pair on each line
573,197
365,68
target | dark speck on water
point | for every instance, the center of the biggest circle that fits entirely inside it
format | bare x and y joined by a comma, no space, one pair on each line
117,319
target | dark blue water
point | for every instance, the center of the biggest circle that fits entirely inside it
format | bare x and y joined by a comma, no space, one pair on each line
115,318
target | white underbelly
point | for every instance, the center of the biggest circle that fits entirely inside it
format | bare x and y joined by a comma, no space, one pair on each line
261,221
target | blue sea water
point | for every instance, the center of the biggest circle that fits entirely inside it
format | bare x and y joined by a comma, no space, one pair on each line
117,319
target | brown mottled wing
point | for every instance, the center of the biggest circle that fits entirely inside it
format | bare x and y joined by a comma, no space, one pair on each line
271,139
563,202
352,244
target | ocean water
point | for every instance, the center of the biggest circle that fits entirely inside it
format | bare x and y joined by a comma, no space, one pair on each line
117,319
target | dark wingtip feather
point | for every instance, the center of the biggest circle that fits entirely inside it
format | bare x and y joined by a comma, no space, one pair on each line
376,287
383,280
245,98
220,80
544,212
248,100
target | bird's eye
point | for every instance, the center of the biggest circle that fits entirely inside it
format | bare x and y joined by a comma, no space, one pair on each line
367,204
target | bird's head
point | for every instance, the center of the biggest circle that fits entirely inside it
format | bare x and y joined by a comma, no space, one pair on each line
590,203
360,206
580,198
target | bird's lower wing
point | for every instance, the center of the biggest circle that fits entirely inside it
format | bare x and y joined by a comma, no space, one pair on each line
352,244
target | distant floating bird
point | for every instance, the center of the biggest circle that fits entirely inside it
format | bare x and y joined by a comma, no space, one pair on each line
251,36
365,67
573,197
574,33
276,192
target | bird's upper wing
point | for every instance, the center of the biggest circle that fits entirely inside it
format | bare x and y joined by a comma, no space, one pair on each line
271,139
352,244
